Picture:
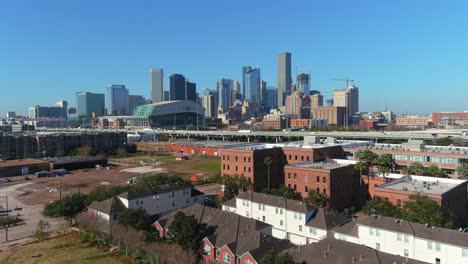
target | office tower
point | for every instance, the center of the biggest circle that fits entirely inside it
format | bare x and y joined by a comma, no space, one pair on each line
177,87
263,94
134,101
316,100
329,102
298,106
333,114
45,112
166,96
190,91
64,106
349,99
312,92
284,77
252,86
293,88
245,70
157,87
224,88
11,115
208,102
117,100
236,91
303,83
271,96
89,103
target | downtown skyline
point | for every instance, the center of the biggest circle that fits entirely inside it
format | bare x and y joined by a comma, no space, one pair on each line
397,61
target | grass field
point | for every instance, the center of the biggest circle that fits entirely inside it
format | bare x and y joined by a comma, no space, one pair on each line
66,249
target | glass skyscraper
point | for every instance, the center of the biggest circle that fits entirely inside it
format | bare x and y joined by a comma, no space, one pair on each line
89,103
117,100
177,87
252,86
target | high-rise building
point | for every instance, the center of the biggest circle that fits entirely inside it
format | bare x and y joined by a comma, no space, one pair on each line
49,111
190,91
11,115
167,96
271,96
316,100
117,100
333,114
263,94
245,70
252,86
224,88
284,77
64,106
303,83
177,87
208,102
349,99
134,101
157,88
236,91
298,106
89,103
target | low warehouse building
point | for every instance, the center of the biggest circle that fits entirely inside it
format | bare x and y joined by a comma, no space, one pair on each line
76,163
22,167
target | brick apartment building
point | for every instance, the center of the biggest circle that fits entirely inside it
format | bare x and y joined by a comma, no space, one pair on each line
300,123
412,122
337,180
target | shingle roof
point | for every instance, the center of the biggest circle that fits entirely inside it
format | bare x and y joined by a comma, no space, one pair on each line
350,229
443,235
330,250
326,219
166,188
231,203
276,201
110,206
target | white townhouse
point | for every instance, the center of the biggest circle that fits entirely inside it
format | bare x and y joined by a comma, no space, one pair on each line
155,201
296,221
415,241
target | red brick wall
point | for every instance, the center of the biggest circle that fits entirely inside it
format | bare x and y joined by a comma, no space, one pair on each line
197,150
160,229
208,257
223,250
247,257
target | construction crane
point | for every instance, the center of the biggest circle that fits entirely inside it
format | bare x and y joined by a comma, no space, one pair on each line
347,80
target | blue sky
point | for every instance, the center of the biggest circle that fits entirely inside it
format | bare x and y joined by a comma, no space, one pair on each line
409,55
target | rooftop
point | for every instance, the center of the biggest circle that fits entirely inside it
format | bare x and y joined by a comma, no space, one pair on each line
422,184
20,162
165,188
277,201
324,165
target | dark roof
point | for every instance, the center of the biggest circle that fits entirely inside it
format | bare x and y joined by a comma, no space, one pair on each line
276,201
194,192
330,250
21,162
439,234
350,229
231,203
75,159
270,244
110,206
166,188
326,219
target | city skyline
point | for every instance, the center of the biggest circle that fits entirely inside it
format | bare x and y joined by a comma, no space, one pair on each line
397,61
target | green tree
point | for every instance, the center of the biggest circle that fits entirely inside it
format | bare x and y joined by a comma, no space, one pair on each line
362,168
316,198
381,206
385,160
434,171
184,231
284,192
367,155
67,207
462,171
136,218
384,170
273,257
422,209
155,181
231,187
41,230
103,193
446,141
415,169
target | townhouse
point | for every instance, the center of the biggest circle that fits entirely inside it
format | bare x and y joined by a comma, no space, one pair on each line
229,238
410,240
296,221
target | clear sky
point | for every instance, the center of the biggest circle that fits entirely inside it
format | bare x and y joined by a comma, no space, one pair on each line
409,55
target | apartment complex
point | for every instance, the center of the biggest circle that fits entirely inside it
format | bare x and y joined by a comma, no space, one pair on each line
410,240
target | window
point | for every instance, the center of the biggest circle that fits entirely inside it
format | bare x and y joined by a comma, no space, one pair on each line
228,157
224,166
281,211
318,178
300,228
437,261
371,231
312,231
227,258
306,189
295,157
405,238
207,249
224,157
398,236
173,203
263,219
318,190
236,167
429,244
324,191
398,202
307,158
249,168
295,176
243,202
276,210
248,262
244,168
300,216
464,252
289,186
249,159
437,246
244,159
259,207
263,207
302,158
247,214
377,246
324,179
281,222
405,252
295,187
377,232
289,157
289,175
295,215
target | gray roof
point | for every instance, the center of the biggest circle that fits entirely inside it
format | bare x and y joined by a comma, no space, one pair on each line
330,250
110,206
231,203
439,234
165,188
326,219
276,201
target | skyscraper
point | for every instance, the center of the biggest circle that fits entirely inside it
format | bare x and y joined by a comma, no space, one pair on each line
224,88
349,99
190,91
245,70
252,86
89,103
177,87
117,100
271,96
134,101
297,106
64,106
157,88
284,77
236,91
303,83
209,103
263,94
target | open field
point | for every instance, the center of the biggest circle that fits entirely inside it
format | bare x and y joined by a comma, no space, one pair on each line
66,249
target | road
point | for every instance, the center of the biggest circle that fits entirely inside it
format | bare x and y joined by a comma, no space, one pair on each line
31,214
